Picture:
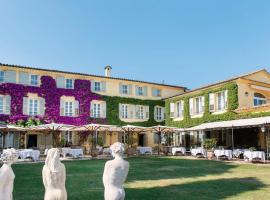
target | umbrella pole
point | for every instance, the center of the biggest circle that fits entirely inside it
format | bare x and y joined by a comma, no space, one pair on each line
232,139
159,142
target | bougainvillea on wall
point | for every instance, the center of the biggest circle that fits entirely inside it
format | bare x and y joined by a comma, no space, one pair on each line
82,93
51,94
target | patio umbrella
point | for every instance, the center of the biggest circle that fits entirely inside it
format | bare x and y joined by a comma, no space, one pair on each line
161,129
94,128
128,129
5,128
51,128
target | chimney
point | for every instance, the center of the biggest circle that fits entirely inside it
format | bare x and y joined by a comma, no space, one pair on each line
108,70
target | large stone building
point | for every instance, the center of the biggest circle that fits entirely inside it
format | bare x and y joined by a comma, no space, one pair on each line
32,94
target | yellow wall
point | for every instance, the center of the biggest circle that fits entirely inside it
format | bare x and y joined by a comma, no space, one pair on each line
112,85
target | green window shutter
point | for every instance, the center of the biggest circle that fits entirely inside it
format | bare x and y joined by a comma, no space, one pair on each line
10,76
7,104
120,88
25,105
24,78
103,110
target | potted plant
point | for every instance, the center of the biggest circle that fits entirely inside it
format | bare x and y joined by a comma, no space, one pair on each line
210,144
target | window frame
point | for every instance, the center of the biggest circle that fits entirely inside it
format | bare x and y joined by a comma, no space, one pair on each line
2,76
2,107
69,85
33,105
34,82
68,108
124,89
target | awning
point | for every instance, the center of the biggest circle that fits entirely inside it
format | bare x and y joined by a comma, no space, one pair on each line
240,123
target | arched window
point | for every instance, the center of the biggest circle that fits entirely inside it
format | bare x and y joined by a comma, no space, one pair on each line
259,99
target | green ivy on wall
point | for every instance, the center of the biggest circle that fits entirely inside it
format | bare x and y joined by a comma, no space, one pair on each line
207,116
113,110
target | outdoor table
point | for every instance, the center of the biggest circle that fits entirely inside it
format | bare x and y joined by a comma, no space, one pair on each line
223,152
200,150
250,155
29,153
75,153
144,150
178,149
107,150
238,152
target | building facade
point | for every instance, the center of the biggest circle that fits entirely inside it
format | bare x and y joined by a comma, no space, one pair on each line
32,95
246,96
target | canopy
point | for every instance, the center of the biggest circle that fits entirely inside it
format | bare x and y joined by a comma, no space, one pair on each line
160,128
131,128
52,127
252,122
96,127
6,128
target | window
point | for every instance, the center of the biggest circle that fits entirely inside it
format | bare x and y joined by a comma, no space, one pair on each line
221,101
96,110
124,139
159,113
156,92
124,89
1,105
124,111
172,110
140,91
141,112
68,108
2,76
97,86
179,109
69,84
198,105
33,107
259,99
68,137
33,79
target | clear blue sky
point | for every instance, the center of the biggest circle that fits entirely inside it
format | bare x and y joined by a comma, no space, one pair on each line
189,43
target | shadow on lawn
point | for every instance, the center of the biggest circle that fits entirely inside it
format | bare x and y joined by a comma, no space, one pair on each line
165,168
203,190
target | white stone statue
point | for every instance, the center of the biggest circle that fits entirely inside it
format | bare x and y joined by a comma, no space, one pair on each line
7,175
115,174
54,177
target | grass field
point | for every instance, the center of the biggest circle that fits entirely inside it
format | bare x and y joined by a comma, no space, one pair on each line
155,178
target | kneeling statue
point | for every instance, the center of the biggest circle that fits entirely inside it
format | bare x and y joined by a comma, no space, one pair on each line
7,175
54,177
115,174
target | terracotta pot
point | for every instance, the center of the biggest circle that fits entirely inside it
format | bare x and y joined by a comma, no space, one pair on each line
94,152
210,154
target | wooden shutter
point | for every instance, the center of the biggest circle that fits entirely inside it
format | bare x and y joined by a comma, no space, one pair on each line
25,105
130,89
76,108
62,107
172,110
41,106
191,106
91,109
131,109
61,82
120,88
137,90
7,104
24,78
146,110
155,112
10,76
137,111
92,85
103,86
202,106
211,102
145,91
163,114
226,98
103,109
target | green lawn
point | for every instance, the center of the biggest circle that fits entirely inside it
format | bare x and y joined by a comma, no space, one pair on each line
155,178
